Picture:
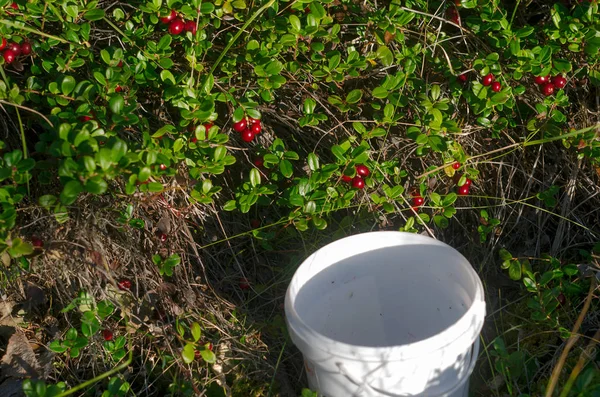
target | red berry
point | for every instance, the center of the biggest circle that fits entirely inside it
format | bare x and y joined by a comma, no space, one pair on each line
456,165
540,80
559,82
256,128
488,80
418,201
209,346
253,120
247,135
255,223
190,26
118,88
453,15
468,182
463,77
561,299
346,178
176,27
15,48
9,56
463,190
37,243
496,86
120,64
548,89
107,335
162,167
3,43
244,284
162,237
26,48
84,119
362,170
193,139
259,162
358,182
14,5
240,126
169,17
207,126
124,285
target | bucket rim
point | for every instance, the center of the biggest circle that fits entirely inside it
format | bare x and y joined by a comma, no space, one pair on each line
461,331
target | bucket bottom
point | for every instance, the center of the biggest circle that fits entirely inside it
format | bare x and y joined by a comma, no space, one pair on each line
334,378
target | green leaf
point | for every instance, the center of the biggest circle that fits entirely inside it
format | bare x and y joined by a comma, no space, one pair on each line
562,65
286,168
435,92
96,185
309,106
166,75
116,104
47,201
499,98
94,15
57,347
19,248
196,331
68,85
105,309
295,22
385,55
313,161
514,270
546,278
188,353
449,199
118,150
441,221
379,92
104,158
309,393
354,96
89,164
165,42
254,177
208,356
437,143
505,255
155,187
70,192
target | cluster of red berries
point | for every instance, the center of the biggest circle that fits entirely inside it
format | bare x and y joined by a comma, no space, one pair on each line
489,80
248,128
549,85
464,189
124,285
14,50
358,182
178,25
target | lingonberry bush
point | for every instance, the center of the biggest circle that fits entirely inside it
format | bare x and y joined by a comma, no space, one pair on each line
298,112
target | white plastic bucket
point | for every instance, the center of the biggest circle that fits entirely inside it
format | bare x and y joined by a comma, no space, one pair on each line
386,314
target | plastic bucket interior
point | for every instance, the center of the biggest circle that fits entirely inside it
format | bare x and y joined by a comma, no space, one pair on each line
386,314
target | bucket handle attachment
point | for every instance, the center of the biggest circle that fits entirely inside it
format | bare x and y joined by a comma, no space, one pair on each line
365,385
